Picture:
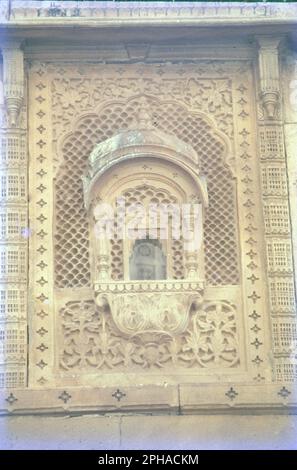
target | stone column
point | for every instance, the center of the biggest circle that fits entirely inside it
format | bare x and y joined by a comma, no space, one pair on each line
193,241
277,219
289,79
14,229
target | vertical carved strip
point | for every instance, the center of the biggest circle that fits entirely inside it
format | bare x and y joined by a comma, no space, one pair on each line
254,295
41,355
276,217
289,78
14,224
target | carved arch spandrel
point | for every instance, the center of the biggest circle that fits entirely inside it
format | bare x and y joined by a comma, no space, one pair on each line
227,152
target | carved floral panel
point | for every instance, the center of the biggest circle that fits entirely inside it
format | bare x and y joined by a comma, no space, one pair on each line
73,108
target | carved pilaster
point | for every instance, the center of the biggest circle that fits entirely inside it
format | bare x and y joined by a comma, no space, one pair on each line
13,80
276,212
269,75
103,262
14,224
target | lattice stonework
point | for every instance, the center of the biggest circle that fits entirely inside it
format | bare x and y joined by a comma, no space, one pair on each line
71,232
73,109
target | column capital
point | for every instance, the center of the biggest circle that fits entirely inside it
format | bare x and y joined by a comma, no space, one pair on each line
11,44
268,67
269,42
13,80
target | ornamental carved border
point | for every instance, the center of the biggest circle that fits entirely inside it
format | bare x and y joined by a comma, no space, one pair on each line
59,95
279,211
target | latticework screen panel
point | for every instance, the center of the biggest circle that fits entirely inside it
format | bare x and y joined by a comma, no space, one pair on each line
72,268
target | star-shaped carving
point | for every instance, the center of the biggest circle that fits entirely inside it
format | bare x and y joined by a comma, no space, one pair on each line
41,364
40,114
42,281
42,265
11,399
41,249
41,233
257,360
256,343
41,188
65,396
41,173
284,392
42,331
42,347
118,394
253,278
254,296
231,394
42,297
254,315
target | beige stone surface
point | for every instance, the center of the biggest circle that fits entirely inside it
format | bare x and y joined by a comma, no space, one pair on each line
85,432
188,113
210,432
149,432
64,285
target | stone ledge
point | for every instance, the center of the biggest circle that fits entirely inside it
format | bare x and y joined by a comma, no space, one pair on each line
105,399
168,399
262,398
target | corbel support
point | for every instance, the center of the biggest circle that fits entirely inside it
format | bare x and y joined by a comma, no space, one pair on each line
268,64
13,80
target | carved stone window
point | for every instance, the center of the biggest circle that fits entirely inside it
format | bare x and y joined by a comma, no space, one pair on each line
153,138
71,227
169,125
145,168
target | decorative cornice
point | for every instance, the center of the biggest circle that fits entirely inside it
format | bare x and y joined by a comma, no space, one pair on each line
150,12
226,397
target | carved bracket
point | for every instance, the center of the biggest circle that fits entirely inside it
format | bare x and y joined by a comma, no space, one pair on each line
147,310
13,71
269,75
